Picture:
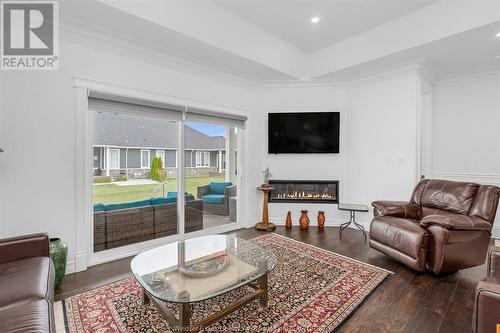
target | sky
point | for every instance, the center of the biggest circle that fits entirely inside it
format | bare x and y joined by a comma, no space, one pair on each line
208,129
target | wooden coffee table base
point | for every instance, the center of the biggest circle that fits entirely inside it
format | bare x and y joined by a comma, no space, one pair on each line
182,324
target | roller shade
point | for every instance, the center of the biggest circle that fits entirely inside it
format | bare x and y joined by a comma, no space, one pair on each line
213,117
103,102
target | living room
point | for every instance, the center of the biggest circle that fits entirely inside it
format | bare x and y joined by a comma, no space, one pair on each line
340,163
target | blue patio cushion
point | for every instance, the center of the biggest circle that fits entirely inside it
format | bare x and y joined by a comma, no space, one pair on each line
125,205
100,207
165,200
174,194
213,198
219,187
171,197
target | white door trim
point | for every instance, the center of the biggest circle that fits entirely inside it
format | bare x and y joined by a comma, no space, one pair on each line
84,254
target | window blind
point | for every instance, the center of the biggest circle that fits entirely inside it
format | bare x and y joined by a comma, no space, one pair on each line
103,102
213,117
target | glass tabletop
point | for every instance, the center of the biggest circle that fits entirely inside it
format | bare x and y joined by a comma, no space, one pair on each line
200,268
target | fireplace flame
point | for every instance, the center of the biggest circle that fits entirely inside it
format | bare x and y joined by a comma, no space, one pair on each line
304,195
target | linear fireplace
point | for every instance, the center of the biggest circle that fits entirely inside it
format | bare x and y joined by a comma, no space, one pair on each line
311,191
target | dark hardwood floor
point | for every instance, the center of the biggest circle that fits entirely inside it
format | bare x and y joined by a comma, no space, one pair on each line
406,302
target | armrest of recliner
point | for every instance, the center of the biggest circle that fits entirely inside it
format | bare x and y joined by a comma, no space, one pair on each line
487,302
456,222
494,262
403,209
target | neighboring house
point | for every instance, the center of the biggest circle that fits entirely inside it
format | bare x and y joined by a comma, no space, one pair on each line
126,145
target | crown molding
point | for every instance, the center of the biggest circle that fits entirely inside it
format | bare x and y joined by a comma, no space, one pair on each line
187,63
179,61
477,73
415,66
273,84
481,178
156,96
420,66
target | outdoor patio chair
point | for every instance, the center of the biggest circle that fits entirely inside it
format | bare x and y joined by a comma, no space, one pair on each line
216,196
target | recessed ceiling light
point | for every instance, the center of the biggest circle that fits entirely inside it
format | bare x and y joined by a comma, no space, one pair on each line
315,19
498,34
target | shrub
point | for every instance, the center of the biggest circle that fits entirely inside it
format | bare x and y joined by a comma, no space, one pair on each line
162,175
102,180
157,173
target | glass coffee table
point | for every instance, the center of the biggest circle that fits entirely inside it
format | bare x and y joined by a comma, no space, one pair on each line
202,268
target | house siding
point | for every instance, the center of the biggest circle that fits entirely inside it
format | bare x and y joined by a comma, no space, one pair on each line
130,159
97,157
189,158
213,158
134,158
123,158
170,156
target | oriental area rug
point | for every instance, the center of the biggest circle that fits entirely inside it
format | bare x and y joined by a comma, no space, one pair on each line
310,290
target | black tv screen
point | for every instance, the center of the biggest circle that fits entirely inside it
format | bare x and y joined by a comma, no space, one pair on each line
303,133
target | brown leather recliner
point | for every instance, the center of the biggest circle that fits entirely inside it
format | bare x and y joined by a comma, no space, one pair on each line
445,227
486,315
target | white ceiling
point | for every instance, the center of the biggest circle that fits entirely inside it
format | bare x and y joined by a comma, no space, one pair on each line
470,51
452,36
339,19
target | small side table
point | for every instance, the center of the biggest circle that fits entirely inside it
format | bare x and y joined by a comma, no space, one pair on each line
352,218
265,225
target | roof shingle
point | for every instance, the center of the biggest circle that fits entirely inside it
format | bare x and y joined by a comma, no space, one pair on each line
145,132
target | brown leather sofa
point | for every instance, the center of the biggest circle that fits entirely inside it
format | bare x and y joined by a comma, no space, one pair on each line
487,303
26,285
446,226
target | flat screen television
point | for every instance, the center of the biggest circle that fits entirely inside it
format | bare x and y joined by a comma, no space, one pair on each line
304,133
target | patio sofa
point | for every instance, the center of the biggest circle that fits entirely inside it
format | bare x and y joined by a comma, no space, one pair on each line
132,222
215,197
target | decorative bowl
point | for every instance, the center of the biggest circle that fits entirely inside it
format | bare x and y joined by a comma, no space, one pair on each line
206,266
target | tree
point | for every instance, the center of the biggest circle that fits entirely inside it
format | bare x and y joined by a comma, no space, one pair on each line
157,172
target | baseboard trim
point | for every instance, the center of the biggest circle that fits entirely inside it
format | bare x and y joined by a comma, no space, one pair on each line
328,223
495,232
81,262
70,267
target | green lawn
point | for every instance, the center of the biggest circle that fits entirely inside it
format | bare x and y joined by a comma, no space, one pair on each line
111,193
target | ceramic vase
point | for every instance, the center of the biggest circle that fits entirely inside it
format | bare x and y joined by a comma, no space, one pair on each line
288,223
58,254
321,219
304,220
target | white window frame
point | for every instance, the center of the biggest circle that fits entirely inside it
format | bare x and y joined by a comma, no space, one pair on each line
84,256
161,152
110,164
149,159
198,158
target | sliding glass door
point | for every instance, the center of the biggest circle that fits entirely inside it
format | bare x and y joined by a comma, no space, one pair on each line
149,159
134,179
210,178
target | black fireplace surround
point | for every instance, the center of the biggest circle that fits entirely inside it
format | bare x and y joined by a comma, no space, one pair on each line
307,191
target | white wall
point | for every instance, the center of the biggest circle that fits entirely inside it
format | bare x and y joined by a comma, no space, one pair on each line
377,157
37,132
466,130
